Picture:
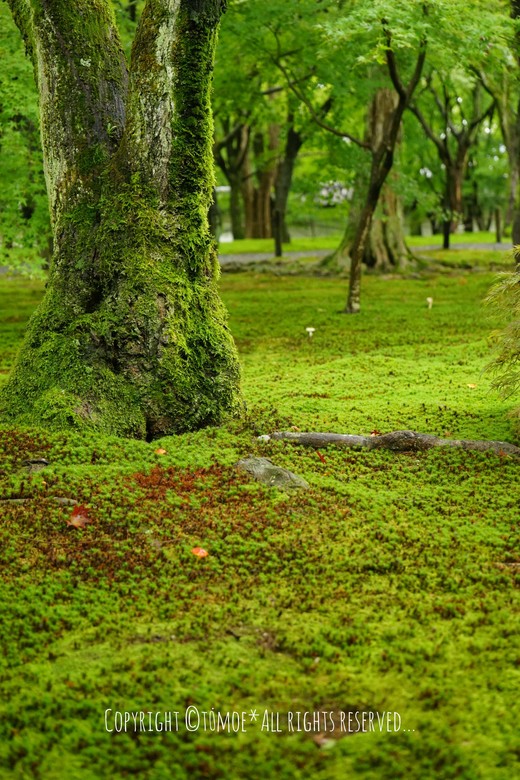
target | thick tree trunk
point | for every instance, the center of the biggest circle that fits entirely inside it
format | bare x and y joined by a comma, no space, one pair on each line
386,247
131,336
258,181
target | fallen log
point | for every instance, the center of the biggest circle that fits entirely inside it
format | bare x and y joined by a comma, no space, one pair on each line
398,441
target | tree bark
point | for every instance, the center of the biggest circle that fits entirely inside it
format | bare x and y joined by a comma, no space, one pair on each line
258,182
131,337
236,211
514,143
398,441
383,127
230,154
386,247
282,186
454,161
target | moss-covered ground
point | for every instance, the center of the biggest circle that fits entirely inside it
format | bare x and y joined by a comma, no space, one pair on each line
389,586
331,241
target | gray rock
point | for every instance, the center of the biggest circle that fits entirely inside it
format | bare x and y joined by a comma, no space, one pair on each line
263,470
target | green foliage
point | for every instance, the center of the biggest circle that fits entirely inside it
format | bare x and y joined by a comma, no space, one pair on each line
24,214
504,299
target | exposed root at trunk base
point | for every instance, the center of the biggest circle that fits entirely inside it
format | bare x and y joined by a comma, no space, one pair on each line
398,441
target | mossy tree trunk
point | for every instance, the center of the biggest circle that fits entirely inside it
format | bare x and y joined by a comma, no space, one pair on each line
386,247
131,336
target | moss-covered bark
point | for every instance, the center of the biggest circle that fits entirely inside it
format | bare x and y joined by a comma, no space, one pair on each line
131,337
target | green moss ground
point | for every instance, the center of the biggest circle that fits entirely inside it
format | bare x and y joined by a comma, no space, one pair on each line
331,241
389,586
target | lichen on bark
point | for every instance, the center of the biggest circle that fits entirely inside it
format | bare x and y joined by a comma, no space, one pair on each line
131,337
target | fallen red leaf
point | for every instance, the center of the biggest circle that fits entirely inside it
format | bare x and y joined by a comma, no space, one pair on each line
160,451
375,432
199,552
320,456
79,517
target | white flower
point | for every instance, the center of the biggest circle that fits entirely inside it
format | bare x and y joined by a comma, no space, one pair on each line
310,331
429,301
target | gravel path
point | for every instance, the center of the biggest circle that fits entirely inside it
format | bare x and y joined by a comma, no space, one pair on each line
263,256
258,257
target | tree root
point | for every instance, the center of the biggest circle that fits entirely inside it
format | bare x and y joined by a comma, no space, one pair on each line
398,441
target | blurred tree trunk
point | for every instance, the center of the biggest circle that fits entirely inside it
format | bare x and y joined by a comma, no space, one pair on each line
132,10
386,248
453,154
384,245
230,156
258,182
131,336
284,174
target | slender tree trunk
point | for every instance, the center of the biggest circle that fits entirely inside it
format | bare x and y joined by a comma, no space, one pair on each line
498,226
453,203
514,178
236,212
382,133
131,337
455,176
387,112
515,169
248,198
515,141
230,156
282,186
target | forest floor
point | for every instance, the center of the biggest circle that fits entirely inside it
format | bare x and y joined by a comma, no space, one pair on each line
390,586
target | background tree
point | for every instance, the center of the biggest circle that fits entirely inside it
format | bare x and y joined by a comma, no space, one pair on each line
457,132
131,335
24,213
384,126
